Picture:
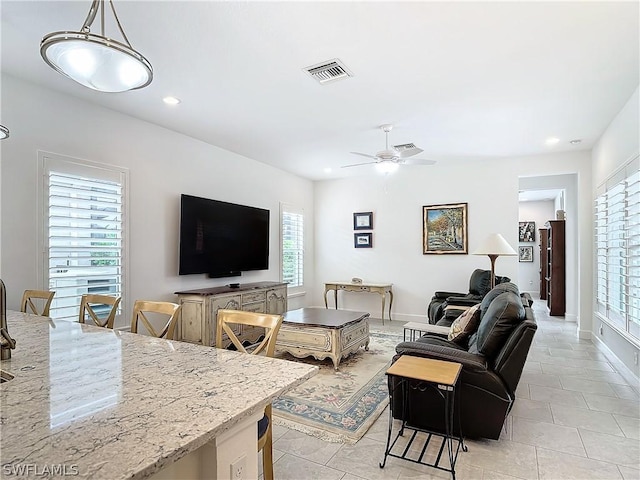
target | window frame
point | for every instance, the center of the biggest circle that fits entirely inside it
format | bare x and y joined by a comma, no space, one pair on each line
617,237
292,209
47,162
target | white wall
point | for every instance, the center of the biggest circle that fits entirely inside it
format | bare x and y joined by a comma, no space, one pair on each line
162,164
491,190
529,272
619,144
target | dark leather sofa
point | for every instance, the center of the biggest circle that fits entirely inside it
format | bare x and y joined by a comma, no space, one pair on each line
479,286
492,363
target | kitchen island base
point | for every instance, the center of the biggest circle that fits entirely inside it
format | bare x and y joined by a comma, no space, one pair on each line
215,459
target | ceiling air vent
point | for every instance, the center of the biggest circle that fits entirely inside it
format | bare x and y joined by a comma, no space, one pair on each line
329,71
404,146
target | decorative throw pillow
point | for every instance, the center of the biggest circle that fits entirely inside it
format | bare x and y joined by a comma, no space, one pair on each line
465,325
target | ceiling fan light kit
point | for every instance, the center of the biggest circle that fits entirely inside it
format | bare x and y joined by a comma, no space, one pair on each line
97,61
386,167
388,160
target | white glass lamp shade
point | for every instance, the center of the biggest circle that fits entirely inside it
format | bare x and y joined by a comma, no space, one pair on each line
4,132
96,62
386,167
495,244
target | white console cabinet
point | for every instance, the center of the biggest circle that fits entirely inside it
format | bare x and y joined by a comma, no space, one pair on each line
200,309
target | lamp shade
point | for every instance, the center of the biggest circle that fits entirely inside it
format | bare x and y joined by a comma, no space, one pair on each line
495,244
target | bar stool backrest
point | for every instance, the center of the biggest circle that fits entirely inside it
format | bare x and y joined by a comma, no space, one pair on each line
88,309
32,299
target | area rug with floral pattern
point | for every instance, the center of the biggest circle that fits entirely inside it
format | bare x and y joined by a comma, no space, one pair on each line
340,406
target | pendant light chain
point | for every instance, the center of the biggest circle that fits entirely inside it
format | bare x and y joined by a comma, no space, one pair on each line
115,15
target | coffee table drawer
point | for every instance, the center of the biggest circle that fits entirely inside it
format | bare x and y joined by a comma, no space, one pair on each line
317,339
354,334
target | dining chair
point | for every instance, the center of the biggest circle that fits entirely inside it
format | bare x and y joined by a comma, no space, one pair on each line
166,310
33,298
88,307
271,324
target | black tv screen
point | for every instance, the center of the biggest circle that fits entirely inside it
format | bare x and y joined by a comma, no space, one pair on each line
222,239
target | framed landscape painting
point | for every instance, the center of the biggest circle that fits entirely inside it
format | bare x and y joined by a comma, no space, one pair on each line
444,228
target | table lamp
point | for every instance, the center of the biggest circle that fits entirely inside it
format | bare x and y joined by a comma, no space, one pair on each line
494,246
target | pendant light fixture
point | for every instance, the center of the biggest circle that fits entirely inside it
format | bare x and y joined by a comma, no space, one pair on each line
4,132
97,61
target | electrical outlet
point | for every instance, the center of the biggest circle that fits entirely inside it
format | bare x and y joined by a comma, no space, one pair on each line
635,358
238,468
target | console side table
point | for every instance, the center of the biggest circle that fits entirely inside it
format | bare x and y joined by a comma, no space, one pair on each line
381,289
420,373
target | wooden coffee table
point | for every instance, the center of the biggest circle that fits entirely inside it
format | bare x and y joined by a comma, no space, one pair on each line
323,333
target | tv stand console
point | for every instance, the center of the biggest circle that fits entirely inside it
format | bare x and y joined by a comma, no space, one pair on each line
200,309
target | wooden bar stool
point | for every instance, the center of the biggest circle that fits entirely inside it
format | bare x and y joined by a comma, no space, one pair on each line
167,309
31,299
88,309
271,325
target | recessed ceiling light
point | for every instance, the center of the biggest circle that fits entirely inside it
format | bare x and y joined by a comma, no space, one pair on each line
171,100
575,142
552,140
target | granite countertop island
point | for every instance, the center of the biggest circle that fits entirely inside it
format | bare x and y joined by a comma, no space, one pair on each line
97,403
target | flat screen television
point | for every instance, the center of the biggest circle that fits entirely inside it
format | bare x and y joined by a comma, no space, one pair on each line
222,239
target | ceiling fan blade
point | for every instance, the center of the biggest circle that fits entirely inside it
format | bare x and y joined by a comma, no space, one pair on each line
419,161
358,164
410,152
365,155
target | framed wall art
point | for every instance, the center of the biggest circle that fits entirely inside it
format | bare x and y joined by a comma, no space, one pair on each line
527,231
525,254
363,221
444,228
362,240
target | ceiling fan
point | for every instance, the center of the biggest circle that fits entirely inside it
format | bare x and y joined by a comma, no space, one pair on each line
389,159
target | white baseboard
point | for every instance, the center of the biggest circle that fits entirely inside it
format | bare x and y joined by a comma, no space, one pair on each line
622,369
571,317
585,334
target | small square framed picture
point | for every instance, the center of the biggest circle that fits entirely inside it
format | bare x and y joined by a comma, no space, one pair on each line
527,231
363,221
362,240
525,254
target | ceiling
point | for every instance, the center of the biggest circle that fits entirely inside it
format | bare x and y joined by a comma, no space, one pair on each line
539,195
463,81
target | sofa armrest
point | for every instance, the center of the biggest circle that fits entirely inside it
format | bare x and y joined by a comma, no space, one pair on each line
470,362
445,295
462,301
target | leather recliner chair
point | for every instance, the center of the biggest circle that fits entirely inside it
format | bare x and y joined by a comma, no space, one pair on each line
479,286
492,364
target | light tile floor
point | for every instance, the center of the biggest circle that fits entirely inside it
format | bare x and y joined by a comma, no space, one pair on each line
575,417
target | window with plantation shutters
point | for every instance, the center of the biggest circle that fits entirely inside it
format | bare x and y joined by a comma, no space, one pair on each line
292,244
617,245
83,232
